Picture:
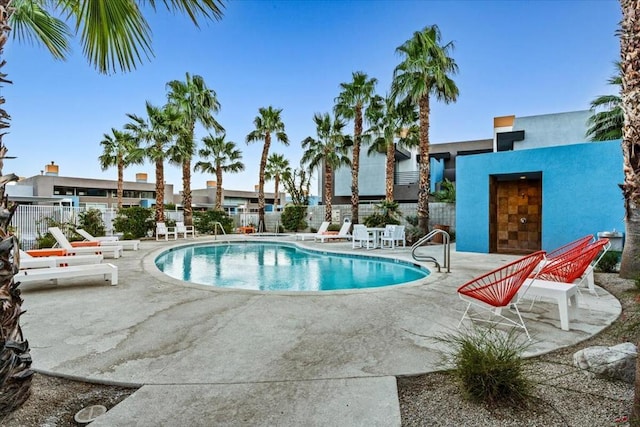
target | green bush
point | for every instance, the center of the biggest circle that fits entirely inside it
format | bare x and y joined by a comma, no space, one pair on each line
488,365
91,221
334,227
447,193
293,217
386,212
47,240
609,262
134,222
204,222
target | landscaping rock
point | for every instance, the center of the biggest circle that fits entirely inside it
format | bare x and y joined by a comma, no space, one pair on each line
617,362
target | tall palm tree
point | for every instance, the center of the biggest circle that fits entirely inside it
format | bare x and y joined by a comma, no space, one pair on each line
115,36
277,167
352,102
267,123
425,70
391,121
225,157
120,150
606,122
197,104
327,151
629,67
157,133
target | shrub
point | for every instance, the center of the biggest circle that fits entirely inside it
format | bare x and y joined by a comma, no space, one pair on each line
488,365
447,193
205,221
91,221
47,240
334,227
134,222
609,262
293,217
386,212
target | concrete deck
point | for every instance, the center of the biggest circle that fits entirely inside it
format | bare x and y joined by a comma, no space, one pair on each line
207,356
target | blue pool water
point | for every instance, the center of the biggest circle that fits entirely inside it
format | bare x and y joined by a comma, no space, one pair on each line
281,267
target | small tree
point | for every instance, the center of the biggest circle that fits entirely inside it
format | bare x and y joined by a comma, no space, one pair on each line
293,217
91,221
134,222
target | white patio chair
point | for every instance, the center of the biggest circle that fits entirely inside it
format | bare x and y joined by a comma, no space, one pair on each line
362,236
109,240
115,251
323,228
163,230
342,234
185,229
393,235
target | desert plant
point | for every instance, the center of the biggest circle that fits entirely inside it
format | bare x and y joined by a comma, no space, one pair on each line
609,262
334,227
488,365
412,220
134,222
91,221
293,217
386,212
204,221
447,192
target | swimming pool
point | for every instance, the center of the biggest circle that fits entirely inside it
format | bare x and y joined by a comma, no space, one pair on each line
269,266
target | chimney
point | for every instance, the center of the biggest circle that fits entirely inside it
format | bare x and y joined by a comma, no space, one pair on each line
51,169
141,177
212,184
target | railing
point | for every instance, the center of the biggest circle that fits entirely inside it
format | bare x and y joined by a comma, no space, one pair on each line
406,178
215,229
446,240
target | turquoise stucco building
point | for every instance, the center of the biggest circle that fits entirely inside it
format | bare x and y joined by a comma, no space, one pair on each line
513,201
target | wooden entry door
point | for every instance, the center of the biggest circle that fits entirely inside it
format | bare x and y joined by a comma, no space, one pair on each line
518,205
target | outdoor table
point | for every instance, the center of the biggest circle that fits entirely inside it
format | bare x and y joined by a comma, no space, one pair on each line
377,234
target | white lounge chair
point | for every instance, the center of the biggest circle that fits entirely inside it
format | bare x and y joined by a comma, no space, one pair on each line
109,271
393,235
342,234
185,229
163,230
323,228
114,251
109,240
28,261
361,236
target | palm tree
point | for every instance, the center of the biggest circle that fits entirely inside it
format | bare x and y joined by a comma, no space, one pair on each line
392,120
157,132
351,104
267,123
277,167
629,66
120,150
114,36
225,158
425,71
196,103
608,118
327,151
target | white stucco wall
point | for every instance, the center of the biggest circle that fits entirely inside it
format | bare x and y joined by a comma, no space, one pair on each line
550,130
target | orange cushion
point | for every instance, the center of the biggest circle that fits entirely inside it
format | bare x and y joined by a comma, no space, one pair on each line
84,244
47,252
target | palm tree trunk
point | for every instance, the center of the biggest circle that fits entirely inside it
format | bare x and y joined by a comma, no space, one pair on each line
328,190
355,165
159,190
186,191
630,68
15,360
425,178
218,205
263,166
120,191
390,166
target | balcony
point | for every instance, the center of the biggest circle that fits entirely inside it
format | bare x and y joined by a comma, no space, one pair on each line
405,178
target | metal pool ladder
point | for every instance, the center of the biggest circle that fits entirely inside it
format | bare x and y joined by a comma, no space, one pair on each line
446,240
215,229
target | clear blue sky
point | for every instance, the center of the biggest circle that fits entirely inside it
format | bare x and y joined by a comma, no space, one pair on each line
514,57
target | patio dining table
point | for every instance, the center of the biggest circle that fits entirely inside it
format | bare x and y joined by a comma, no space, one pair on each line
377,234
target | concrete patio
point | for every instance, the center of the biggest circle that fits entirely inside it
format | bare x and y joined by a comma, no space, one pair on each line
207,356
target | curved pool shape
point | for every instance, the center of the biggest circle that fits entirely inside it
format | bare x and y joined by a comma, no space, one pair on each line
281,267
